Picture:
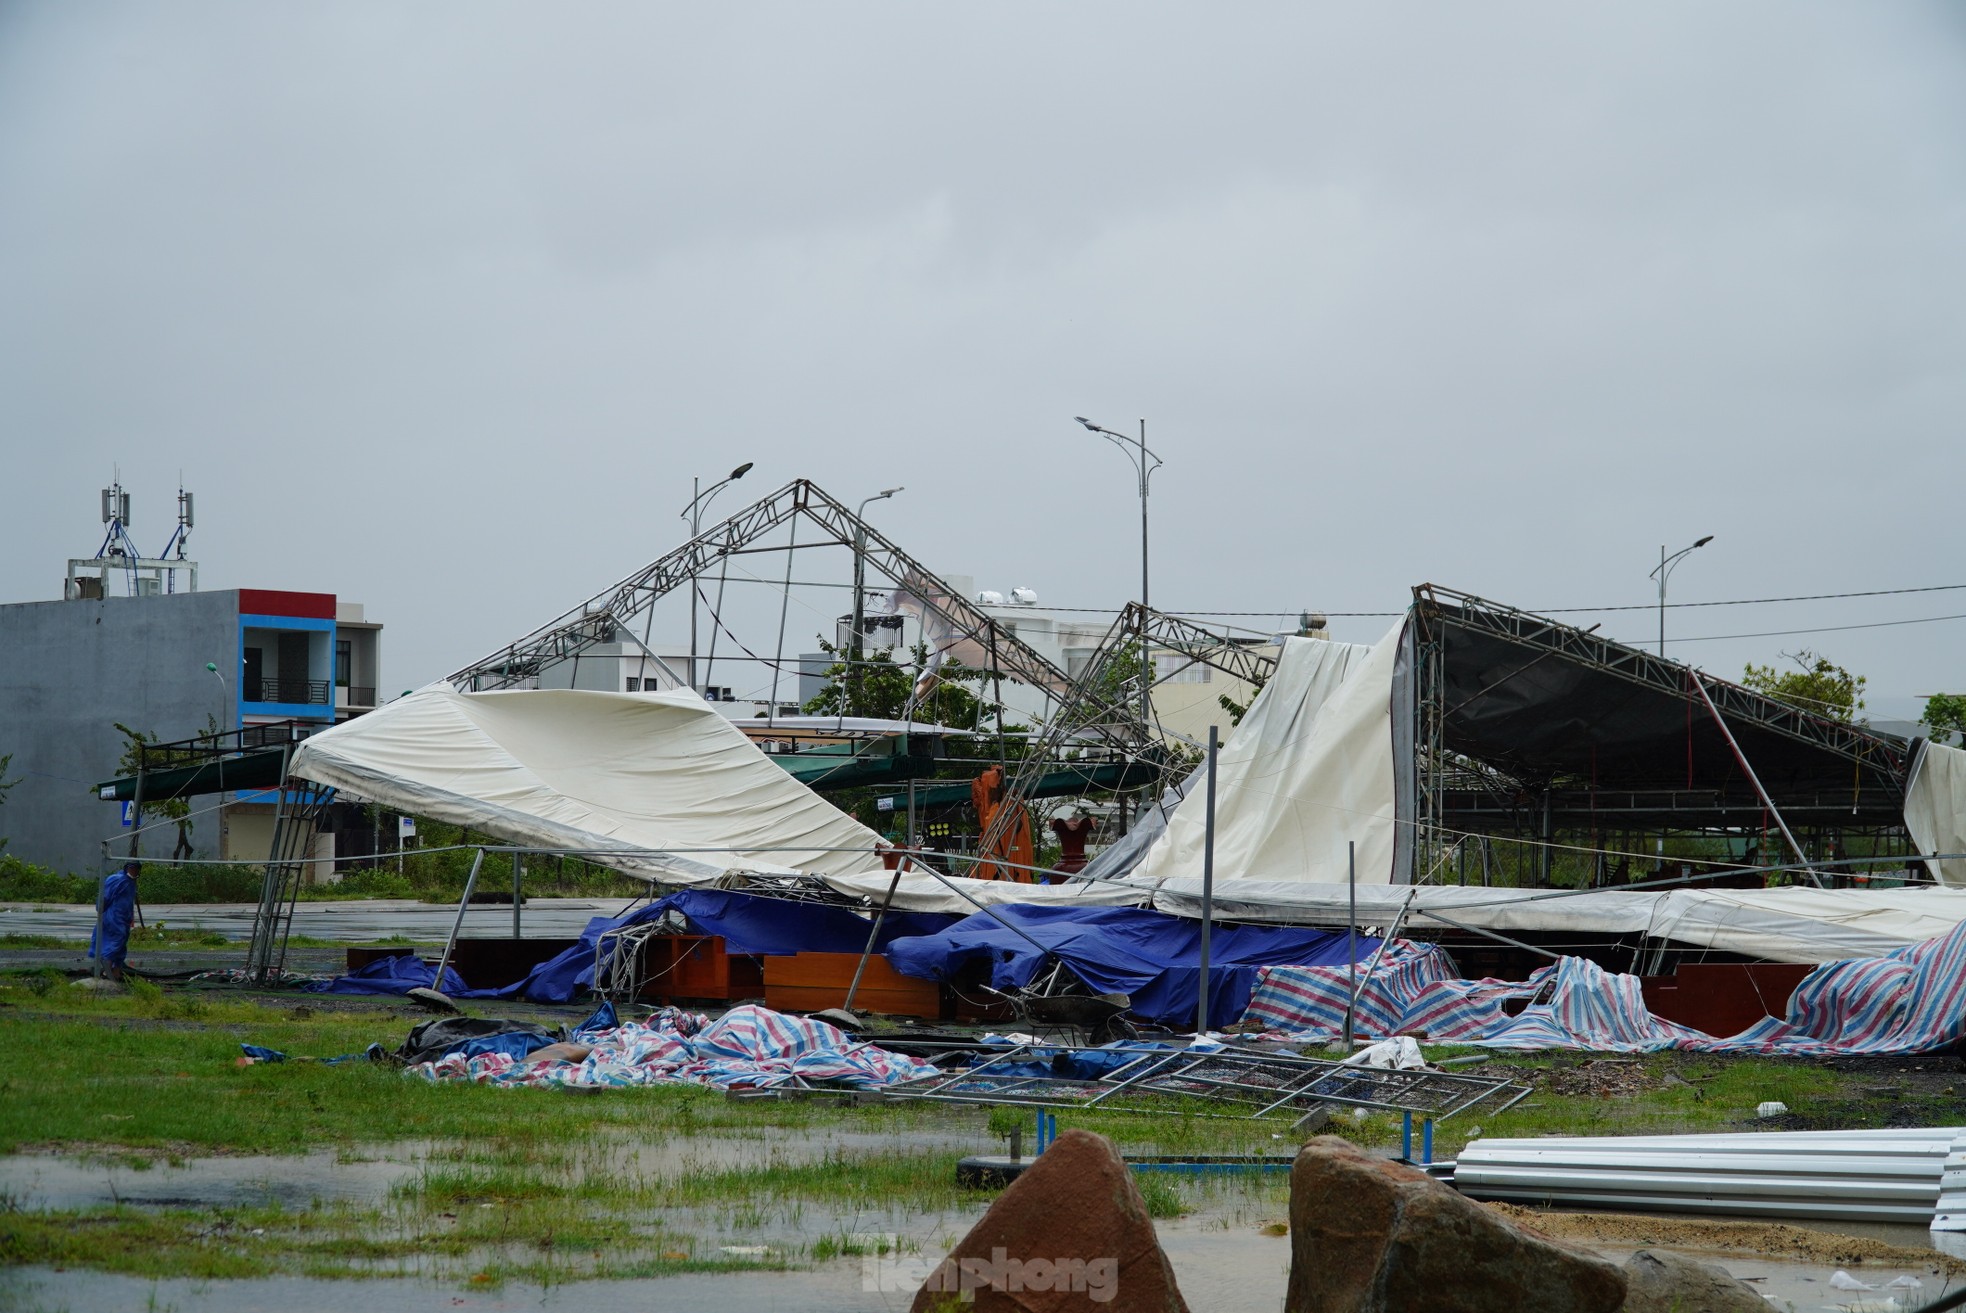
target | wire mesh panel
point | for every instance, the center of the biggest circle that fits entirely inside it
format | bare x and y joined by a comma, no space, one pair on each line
1237,1083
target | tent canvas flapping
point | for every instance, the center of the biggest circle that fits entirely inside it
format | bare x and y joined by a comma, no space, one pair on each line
1308,771
657,785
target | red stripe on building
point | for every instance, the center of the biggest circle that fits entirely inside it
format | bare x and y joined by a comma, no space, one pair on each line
277,601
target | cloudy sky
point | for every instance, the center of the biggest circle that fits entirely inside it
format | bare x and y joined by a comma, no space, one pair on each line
440,307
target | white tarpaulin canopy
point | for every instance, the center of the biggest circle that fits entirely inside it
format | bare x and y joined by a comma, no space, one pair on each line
1309,770
919,892
664,779
1935,808
1777,925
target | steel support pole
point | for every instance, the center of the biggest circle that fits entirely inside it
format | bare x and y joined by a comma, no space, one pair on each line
518,872
1146,659
1207,877
470,884
695,532
1700,683
873,936
853,642
1662,600
1351,941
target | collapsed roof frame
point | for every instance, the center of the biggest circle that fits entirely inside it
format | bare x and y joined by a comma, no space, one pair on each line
1137,629
1518,717
611,615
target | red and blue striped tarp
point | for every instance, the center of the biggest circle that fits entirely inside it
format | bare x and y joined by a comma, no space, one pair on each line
1909,1001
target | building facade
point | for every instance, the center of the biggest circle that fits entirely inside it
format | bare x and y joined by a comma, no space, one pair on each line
171,666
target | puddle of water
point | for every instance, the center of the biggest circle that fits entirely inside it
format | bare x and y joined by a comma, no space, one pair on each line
1804,1287
368,1173
48,1181
32,1290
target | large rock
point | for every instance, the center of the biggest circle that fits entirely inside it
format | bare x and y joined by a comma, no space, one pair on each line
1372,1236
1667,1283
1071,1233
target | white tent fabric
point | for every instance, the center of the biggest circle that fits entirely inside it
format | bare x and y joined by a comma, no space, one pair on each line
918,892
1935,808
1777,925
1309,769
664,779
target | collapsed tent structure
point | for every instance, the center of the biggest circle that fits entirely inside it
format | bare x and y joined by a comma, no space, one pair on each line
1479,776
658,784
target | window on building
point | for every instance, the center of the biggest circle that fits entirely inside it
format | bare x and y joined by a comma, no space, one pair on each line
344,661
634,684
1177,668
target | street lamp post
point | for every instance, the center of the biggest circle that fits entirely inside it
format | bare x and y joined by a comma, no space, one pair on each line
694,514
1145,463
1664,570
859,583
224,691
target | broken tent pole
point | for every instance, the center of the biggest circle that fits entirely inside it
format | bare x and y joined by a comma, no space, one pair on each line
873,934
1207,884
518,872
1700,683
470,884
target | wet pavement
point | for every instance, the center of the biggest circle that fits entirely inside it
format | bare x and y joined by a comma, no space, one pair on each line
347,921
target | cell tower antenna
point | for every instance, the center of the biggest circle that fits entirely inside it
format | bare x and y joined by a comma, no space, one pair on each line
119,556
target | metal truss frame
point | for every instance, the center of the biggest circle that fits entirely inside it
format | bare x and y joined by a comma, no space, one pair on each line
610,615
1437,608
1080,712
1438,770
296,820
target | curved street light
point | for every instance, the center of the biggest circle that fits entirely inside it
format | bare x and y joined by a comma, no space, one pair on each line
694,514
1145,462
1662,573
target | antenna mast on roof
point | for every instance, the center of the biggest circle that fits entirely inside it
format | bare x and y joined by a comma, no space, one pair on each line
119,557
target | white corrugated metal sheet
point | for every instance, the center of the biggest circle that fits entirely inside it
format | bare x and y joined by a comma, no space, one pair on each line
1881,1176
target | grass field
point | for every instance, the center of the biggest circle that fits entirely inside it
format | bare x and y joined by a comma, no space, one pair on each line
547,1185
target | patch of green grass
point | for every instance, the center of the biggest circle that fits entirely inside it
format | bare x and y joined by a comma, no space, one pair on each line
38,941
1162,1196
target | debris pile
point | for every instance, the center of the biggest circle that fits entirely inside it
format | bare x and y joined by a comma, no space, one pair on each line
747,1048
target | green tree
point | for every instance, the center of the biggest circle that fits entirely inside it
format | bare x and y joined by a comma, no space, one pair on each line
1816,684
1237,710
885,688
1945,716
172,809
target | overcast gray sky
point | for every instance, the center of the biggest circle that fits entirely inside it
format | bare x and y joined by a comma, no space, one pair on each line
439,307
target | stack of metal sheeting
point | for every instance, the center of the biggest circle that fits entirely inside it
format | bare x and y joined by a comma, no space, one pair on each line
1879,1176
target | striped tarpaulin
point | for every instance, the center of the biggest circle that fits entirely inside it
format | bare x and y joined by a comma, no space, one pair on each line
748,1047
1909,1001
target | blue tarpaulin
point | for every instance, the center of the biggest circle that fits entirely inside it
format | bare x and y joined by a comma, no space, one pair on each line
396,974
749,923
1151,956
118,900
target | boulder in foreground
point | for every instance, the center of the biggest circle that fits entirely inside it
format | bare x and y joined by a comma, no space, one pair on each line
1372,1236
1071,1233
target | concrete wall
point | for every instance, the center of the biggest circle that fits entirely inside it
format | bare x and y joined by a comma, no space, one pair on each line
68,672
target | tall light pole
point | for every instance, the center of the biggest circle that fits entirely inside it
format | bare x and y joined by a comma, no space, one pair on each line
1662,573
859,582
1145,463
694,514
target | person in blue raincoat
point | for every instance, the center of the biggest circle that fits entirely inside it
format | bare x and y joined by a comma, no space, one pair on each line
115,913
